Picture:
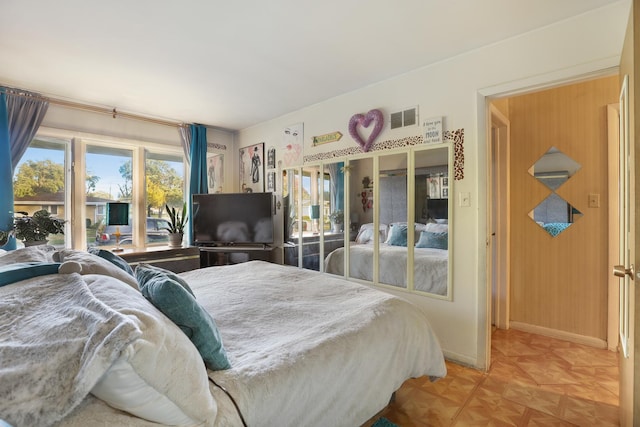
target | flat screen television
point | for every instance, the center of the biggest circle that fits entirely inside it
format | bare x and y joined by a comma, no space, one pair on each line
232,218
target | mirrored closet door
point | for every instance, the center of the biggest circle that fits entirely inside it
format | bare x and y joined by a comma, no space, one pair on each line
380,218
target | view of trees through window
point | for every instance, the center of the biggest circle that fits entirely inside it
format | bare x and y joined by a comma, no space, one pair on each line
40,182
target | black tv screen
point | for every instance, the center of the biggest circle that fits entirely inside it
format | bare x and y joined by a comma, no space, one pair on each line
232,218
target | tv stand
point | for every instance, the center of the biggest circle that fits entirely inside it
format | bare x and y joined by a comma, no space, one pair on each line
234,254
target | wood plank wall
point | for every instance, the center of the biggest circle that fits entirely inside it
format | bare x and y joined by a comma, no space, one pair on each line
560,282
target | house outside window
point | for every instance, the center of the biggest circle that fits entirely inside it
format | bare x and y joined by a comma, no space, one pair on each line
105,170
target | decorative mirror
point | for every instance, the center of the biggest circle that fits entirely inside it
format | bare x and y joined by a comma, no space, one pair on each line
554,214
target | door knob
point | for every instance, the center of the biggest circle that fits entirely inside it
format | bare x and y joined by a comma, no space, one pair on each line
621,271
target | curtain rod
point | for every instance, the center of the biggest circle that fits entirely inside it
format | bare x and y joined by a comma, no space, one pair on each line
92,108
114,112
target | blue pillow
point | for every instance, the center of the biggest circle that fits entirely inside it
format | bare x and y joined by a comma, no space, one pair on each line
397,235
26,270
555,228
182,308
112,258
429,239
145,273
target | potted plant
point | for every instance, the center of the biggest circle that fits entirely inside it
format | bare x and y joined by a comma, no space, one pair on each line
177,221
35,229
337,219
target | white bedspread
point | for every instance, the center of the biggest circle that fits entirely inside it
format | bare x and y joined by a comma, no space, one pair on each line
430,266
56,341
307,349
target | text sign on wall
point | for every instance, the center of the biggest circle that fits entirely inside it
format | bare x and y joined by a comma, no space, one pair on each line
433,130
328,137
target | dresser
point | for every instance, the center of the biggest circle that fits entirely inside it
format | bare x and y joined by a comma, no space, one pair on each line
177,260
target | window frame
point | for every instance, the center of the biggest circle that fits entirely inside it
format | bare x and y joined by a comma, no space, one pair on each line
75,174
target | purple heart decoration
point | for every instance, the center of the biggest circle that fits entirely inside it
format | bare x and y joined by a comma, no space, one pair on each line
358,119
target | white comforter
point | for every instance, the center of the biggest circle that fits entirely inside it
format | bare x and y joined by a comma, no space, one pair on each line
56,341
307,349
430,266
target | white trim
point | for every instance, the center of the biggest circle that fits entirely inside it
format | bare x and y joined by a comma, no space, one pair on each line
590,70
561,335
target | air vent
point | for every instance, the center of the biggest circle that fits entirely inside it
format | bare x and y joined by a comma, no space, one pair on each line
404,118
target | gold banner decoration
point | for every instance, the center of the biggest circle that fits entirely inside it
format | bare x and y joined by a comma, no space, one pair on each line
327,137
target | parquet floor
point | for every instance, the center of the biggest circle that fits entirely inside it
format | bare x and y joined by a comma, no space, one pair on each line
533,381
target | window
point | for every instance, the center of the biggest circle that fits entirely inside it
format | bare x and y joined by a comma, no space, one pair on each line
39,181
109,178
164,186
104,170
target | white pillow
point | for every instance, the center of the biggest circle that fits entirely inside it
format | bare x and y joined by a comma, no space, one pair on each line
437,228
93,264
365,234
159,377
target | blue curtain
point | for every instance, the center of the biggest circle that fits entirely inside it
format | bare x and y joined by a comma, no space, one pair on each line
6,177
340,190
198,159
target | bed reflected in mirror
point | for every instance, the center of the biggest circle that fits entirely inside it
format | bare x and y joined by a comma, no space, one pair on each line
377,218
399,215
393,214
431,248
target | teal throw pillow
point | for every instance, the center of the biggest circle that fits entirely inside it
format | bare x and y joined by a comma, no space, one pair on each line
429,239
146,272
26,270
182,308
397,235
112,258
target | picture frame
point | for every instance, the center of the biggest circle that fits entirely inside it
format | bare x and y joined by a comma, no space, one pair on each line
271,181
433,187
252,168
271,158
444,187
215,172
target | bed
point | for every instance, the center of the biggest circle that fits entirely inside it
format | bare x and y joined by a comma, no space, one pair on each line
302,348
431,257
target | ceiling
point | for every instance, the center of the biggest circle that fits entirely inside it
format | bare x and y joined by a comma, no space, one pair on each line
233,64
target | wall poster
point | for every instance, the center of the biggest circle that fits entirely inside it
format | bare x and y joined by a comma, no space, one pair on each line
215,173
252,168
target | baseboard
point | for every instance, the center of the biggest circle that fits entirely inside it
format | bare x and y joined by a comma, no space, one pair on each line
561,335
460,359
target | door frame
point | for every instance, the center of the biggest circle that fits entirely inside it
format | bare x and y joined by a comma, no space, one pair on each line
483,97
499,140
613,146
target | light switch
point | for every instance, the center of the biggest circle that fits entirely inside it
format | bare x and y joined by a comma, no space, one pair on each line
465,199
594,200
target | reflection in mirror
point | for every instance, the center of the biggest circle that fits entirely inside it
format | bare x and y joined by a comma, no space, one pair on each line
554,214
335,222
312,210
431,250
291,223
359,225
554,168
393,213
400,239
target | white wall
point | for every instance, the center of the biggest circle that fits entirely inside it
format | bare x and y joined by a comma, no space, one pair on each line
455,89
